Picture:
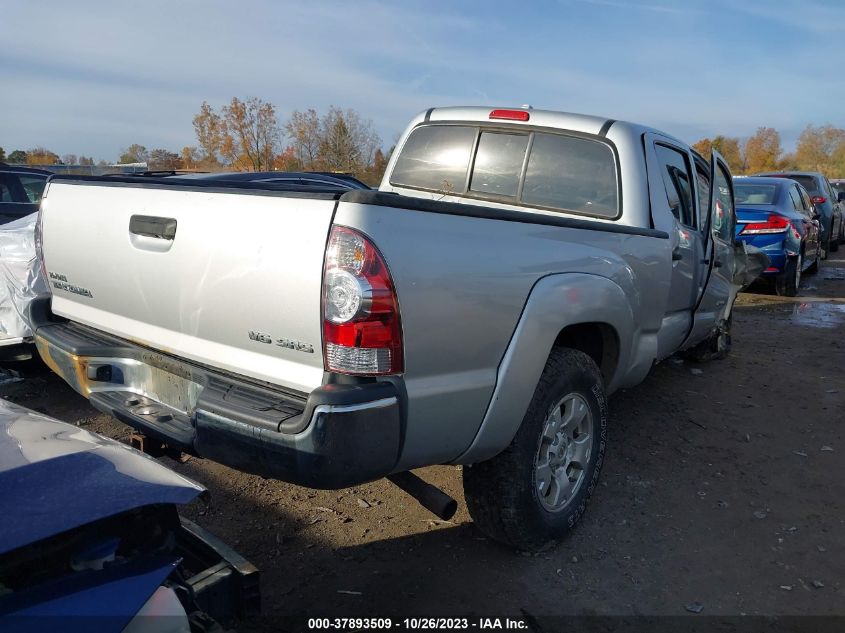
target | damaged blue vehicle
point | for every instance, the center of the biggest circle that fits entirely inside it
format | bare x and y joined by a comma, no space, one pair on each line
91,538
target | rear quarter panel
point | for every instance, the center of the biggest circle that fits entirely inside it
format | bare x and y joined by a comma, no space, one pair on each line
462,285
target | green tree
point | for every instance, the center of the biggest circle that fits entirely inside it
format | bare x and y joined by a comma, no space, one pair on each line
18,157
2,154
134,154
730,150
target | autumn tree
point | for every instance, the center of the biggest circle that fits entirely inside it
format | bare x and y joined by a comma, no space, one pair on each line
86,161
243,134
134,154
303,128
287,160
209,128
190,157
821,149
703,147
164,159
41,156
69,159
763,151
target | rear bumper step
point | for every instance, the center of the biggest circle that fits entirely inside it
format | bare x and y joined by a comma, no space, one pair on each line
337,436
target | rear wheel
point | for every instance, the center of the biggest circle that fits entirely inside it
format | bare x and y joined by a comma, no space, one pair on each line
788,283
532,493
826,249
834,245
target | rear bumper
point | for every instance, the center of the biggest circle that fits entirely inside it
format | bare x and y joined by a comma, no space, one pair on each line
336,436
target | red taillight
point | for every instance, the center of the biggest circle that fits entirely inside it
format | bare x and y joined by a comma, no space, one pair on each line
361,330
772,269
819,199
773,224
510,115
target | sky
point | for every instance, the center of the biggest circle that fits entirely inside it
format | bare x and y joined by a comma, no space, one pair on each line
91,78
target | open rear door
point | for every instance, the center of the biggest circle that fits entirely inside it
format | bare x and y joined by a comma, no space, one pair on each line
716,299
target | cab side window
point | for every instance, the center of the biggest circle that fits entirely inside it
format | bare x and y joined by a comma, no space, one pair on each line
677,179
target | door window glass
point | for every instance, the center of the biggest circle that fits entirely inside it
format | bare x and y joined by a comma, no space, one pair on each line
724,218
675,169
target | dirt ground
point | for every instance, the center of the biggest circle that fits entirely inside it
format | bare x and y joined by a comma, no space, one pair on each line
724,485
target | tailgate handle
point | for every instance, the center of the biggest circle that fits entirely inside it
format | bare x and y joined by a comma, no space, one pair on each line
153,226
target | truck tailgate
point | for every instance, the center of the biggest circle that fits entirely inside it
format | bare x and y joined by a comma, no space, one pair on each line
237,287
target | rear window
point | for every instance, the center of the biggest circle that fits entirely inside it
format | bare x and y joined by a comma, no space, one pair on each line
808,182
754,194
561,172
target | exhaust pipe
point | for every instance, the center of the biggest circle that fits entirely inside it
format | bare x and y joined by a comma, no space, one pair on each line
430,497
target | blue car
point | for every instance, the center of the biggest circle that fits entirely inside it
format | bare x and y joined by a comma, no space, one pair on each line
90,538
778,216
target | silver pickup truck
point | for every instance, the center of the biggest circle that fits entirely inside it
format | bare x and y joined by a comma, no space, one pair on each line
515,267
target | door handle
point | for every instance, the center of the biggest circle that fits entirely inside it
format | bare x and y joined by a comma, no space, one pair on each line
676,254
153,226
717,264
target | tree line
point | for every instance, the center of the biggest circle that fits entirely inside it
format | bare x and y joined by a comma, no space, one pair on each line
819,148
246,135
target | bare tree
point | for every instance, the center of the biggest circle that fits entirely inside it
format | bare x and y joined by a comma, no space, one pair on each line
347,142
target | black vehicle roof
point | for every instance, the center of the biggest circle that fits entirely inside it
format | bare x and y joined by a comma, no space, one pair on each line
764,180
341,180
26,170
787,174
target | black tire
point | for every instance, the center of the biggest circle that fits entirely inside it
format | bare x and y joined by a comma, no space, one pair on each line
717,346
826,250
834,245
787,284
502,493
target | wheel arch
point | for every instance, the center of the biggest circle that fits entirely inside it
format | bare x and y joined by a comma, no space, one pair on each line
586,312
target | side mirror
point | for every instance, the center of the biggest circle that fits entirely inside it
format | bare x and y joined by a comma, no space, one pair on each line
840,197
